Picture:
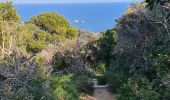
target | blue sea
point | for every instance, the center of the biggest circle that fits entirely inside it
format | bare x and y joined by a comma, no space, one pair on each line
95,17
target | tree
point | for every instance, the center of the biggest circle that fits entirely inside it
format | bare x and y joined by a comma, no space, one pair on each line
34,39
153,3
8,26
8,12
140,68
7,32
54,24
106,44
163,8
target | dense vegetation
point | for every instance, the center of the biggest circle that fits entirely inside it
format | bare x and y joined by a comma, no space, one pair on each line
138,63
54,24
45,58
29,58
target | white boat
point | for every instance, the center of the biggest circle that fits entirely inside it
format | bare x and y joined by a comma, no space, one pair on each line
79,21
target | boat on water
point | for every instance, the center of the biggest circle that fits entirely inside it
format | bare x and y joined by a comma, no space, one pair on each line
79,21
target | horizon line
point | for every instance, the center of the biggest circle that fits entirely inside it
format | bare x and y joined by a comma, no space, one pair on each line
70,2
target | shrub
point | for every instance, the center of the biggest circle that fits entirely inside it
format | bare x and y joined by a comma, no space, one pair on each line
54,24
100,68
140,60
137,88
34,39
8,12
68,87
59,62
71,33
115,81
35,46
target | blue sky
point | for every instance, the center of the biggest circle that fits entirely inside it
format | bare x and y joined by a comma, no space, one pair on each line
67,1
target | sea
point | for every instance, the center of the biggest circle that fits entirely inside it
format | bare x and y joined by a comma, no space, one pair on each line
94,17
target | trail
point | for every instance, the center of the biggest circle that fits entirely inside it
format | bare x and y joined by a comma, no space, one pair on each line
101,92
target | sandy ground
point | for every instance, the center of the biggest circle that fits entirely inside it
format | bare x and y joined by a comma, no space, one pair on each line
103,94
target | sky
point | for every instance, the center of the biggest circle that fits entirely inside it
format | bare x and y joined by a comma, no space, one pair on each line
67,1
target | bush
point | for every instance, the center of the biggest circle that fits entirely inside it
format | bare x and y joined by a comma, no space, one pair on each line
34,39
59,62
100,68
71,33
35,46
140,59
39,88
8,12
137,88
69,87
115,81
54,24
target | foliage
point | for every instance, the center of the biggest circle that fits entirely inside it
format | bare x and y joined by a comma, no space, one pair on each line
100,68
99,52
34,39
33,84
137,88
24,73
8,12
54,24
71,33
59,62
115,80
8,25
7,37
140,59
71,58
153,3
133,58
106,45
68,87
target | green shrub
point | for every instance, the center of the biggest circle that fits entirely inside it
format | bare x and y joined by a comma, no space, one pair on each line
100,68
126,93
34,39
65,87
115,80
68,87
59,62
147,95
54,24
71,33
35,46
8,12
40,62
106,44
38,89
137,89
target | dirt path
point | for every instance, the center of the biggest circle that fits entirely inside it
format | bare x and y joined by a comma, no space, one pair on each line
101,92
